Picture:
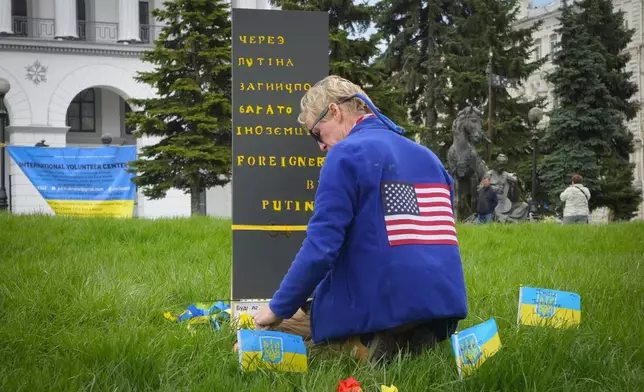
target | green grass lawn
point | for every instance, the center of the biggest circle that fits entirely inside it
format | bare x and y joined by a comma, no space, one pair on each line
81,305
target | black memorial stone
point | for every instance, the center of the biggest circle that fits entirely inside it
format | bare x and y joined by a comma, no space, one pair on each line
277,56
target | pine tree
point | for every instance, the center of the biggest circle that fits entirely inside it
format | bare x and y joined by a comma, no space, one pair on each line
587,133
617,191
616,177
353,56
415,32
485,26
191,114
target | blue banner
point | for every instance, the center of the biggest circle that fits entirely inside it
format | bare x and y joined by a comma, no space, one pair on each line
78,181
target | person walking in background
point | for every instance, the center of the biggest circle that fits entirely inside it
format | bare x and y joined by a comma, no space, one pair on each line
576,198
487,202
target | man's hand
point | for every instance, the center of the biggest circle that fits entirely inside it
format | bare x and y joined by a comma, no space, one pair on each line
265,318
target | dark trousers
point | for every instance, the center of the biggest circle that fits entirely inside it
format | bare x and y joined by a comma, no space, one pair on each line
414,337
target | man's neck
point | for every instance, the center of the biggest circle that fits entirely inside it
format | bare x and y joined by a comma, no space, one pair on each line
355,119
364,116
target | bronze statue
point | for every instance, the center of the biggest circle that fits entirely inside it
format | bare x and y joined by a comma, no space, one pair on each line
506,185
465,165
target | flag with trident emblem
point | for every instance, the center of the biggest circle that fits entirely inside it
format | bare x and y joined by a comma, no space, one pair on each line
546,307
474,345
271,350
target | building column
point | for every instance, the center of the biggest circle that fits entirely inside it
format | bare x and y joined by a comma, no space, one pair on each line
6,22
65,26
638,157
129,29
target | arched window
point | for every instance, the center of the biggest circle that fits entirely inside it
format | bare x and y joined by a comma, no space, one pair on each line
537,49
81,114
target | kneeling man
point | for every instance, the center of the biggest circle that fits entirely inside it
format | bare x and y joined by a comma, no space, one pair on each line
381,256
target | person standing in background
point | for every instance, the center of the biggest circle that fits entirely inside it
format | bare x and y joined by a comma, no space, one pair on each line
576,198
486,202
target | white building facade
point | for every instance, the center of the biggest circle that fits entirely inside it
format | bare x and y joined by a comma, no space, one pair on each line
71,66
545,40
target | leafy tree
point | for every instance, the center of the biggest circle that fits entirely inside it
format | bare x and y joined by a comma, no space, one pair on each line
353,56
191,115
587,133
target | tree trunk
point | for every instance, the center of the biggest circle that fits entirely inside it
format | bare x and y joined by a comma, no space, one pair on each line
194,202
195,190
195,195
429,115
490,114
490,128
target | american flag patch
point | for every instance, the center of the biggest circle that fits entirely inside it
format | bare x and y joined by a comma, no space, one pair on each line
418,214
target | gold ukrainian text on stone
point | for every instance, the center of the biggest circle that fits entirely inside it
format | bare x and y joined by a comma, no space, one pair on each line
262,39
311,184
259,130
270,110
264,62
274,86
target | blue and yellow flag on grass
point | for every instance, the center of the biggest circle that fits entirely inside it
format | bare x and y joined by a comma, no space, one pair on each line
546,307
271,350
200,313
474,345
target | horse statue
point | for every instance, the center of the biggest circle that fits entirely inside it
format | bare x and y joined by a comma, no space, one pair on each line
464,163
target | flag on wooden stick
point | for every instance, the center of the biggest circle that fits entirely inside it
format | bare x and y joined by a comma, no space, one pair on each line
474,345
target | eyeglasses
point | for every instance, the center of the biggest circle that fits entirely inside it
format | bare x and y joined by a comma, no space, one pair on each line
316,135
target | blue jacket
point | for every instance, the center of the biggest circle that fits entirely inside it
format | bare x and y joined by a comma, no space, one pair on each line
365,277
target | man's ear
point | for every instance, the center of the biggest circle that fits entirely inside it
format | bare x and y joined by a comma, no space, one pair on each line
336,112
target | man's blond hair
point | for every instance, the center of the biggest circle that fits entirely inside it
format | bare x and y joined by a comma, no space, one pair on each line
331,89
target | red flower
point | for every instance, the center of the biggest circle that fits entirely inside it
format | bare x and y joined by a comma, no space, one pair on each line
349,385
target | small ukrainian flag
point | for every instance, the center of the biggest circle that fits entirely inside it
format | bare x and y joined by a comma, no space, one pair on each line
545,307
200,313
271,350
475,345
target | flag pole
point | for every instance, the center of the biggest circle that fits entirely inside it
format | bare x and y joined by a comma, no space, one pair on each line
520,301
488,147
457,353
